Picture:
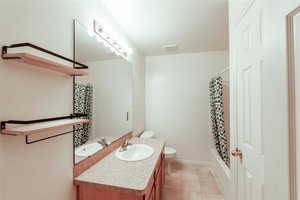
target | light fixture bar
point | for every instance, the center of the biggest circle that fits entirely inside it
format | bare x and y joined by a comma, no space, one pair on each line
116,47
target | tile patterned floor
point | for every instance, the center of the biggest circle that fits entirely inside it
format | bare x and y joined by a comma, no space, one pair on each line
190,182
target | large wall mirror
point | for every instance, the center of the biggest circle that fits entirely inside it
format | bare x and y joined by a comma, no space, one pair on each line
105,95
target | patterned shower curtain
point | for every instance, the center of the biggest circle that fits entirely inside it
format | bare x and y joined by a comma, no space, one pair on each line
217,118
83,104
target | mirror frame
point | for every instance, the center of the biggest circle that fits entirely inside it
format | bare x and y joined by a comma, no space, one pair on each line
292,104
75,21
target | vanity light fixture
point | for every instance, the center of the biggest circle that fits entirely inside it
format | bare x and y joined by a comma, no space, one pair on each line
109,41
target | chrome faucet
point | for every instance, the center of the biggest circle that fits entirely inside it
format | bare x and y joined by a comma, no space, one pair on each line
103,142
125,145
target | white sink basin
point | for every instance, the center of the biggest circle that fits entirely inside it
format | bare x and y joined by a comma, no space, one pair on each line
88,149
135,152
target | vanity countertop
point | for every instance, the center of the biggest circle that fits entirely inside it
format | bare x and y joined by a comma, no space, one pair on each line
114,174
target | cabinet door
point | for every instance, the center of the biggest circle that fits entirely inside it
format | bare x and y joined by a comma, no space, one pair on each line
158,187
152,196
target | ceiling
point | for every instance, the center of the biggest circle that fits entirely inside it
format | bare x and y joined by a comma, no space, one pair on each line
194,25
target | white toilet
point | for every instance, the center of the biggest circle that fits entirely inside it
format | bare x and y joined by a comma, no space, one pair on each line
170,153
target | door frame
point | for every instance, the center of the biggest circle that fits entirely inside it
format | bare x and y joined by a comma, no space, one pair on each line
292,104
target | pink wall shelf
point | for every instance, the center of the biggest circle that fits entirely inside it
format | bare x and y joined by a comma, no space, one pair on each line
35,128
44,63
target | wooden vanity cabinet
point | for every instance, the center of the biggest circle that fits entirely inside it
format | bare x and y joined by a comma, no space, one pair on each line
152,192
155,186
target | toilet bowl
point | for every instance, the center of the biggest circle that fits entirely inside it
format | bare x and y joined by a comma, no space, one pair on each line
169,152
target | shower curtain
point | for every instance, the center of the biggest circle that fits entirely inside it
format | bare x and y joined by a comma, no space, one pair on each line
83,104
217,118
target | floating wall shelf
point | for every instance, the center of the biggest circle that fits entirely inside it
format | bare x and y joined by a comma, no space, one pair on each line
36,128
33,127
42,62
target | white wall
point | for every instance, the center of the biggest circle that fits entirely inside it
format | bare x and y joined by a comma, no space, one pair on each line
177,103
44,170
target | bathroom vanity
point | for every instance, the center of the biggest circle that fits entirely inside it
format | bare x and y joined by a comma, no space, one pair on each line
115,179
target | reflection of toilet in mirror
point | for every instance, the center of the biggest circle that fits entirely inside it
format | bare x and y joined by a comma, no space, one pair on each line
169,152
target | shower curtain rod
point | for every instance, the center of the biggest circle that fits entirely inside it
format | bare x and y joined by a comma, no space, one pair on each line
223,71
220,73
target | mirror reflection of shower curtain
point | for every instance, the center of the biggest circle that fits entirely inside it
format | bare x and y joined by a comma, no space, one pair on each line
218,119
83,104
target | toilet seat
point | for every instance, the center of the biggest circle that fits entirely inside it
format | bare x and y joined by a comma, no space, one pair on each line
169,152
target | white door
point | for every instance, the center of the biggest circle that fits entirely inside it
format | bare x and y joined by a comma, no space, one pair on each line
249,63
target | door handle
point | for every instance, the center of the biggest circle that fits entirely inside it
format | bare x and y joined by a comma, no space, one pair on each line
237,153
